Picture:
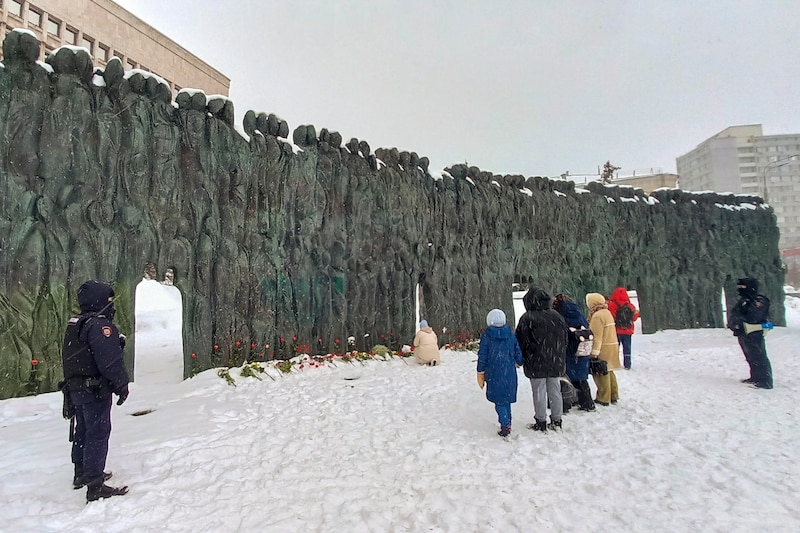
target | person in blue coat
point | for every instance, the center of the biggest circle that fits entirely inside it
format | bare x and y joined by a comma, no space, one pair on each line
499,356
577,366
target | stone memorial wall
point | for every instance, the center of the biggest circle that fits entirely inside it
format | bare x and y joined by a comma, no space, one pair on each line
278,242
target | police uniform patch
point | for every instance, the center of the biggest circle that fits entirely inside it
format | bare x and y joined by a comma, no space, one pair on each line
107,331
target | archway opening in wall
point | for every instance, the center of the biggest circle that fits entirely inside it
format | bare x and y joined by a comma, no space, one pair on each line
422,295
158,328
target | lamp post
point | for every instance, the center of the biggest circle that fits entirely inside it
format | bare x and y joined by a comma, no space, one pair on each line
771,166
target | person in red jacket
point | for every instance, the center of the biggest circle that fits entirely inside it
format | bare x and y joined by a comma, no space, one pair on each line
625,314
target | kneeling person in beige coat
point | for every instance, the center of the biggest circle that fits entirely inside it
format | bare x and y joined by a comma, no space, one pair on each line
426,345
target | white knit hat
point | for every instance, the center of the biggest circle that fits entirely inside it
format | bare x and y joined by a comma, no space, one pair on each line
496,318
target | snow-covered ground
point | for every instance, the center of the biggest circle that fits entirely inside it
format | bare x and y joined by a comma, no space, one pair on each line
391,446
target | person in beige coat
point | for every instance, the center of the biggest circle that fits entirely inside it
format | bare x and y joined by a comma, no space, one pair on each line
605,346
426,345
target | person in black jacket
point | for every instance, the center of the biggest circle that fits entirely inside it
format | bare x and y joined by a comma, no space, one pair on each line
752,308
93,370
542,336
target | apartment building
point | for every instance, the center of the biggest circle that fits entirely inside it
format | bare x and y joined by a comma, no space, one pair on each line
742,160
106,30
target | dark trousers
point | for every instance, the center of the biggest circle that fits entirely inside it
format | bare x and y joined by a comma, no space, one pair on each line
90,442
584,393
755,352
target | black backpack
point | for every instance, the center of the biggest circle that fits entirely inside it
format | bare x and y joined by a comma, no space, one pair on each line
624,318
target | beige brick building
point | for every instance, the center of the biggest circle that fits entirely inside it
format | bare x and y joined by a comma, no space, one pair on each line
107,30
649,182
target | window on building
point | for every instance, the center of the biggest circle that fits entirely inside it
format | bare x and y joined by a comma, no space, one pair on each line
88,43
53,26
130,64
70,35
15,7
34,17
103,52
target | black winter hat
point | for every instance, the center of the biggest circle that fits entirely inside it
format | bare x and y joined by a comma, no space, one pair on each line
750,286
93,296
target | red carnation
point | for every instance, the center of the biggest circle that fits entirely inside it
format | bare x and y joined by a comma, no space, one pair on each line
253,345
194,356
216,347
294,337
281,339
238,344
34,362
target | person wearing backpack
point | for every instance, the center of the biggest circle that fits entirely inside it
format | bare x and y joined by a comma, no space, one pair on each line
752,309
577,364
625,314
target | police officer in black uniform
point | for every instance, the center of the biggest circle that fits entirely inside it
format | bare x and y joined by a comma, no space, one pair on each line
752,308
93,370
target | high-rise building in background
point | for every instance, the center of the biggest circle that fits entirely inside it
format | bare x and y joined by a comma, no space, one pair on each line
742,160
106,30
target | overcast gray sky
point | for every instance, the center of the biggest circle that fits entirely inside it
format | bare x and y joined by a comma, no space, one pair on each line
514,87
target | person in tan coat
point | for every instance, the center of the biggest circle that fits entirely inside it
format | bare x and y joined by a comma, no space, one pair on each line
605,346
426,345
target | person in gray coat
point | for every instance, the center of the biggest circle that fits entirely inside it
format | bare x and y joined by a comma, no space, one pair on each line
542,335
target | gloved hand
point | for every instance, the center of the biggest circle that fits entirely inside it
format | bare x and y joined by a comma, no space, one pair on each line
123,395
122,341
481,379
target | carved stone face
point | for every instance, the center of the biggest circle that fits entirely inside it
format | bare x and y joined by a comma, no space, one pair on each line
169,277
150,271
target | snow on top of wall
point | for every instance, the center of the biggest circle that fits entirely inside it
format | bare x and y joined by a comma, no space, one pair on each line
560,194
626,199
25,30
494,182
610,200
470,180
527,191
190,91
218,96
146,74
580,190
739,207
45,66
72,48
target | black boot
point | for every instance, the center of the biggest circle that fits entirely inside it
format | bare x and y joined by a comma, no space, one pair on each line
554,424
540,425
78,481
96,490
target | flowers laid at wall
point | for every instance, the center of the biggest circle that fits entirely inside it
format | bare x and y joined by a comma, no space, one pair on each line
291,357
